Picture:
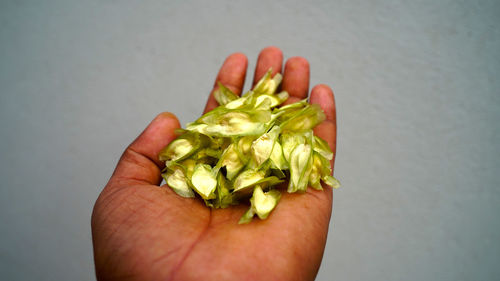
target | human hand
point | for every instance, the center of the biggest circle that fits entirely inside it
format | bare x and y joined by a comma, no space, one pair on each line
142,231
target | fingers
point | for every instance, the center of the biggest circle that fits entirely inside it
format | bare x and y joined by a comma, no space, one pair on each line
270,57
327,130
139,163
232,75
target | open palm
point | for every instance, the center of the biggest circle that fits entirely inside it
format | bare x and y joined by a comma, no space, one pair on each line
142,231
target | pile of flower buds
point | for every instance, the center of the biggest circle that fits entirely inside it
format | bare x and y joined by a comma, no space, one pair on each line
245,147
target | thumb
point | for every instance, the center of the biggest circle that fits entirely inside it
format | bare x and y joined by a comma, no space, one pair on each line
139,164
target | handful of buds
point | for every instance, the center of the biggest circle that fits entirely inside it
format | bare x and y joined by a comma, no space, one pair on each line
245,147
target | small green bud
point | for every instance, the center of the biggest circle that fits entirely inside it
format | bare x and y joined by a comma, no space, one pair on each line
178,182
204,181
223,95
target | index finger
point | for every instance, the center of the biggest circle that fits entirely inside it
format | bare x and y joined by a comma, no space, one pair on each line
232,75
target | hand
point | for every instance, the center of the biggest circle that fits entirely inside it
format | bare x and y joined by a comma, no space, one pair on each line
142,231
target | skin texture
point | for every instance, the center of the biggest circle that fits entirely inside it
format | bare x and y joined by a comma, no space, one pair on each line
142,231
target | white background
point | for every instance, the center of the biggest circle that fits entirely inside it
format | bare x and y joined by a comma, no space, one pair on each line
417,89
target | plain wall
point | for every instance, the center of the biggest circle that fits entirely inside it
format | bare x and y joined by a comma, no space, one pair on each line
418,99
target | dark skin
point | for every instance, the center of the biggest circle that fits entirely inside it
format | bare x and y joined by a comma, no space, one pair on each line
142,231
